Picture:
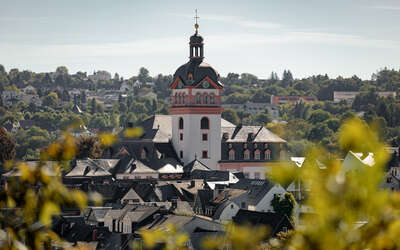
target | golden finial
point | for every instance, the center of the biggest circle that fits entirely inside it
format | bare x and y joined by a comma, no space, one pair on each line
196,24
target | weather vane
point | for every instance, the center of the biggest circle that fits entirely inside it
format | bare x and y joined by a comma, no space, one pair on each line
196,17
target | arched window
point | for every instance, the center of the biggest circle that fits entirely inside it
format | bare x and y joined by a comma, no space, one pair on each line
212,101
179,99
180,123
267,155
257,155
143,153
184,98
231,155
204,123
205,99
198,98
176,98
246,154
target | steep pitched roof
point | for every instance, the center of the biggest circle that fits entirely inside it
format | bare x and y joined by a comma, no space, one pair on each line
93,167
195,165
131,195
243,133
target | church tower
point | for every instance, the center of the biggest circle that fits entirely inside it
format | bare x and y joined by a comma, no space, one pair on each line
196,108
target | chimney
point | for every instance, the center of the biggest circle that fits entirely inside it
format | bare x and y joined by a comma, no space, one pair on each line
94,235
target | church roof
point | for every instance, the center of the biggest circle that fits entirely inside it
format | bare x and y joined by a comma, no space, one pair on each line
199,70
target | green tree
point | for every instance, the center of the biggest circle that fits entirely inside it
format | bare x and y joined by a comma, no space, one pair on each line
7,146
319,115
143,76
51,99
230,115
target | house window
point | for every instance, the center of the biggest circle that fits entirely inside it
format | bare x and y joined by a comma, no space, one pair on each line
204,123
284,229
181,154
180,123
181,136
212,101
176,98
231,155
198,99
231,206
143,153
243,204
204,154
184,98
257,155
246,175
267,154
256,175
244,145
205,99
246,154
205,137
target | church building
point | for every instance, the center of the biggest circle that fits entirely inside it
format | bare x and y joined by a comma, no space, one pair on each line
195,131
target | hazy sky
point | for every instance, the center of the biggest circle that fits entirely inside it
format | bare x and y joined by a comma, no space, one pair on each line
341,37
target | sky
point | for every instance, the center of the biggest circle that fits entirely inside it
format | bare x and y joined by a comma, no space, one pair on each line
338,38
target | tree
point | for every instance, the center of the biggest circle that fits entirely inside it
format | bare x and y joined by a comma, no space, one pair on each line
284,205
62,70
319,115
230,115
7,146
93,106
143,76
88,147
51,100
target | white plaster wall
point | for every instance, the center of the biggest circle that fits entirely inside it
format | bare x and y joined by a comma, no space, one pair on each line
192,143
252,170
265,204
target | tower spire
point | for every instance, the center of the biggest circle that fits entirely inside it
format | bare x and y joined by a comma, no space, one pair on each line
196,25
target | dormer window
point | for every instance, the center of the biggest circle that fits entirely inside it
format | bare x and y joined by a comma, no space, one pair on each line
231,155
190,77
251,136
255,145
246,154
265,145
267,155
230,145
257,155
206,84
244,145
225,135
143,153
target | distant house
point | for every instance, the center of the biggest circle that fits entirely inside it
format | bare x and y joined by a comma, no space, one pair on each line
96,170
349,96
100,75
278,100
254,195
125,87
11,97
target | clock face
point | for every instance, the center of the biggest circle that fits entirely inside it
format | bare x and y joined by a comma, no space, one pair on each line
206,84
180,85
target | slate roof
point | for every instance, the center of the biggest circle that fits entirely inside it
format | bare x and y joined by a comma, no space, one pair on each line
256,189
274,221
134,166
131,195
96,214
242,134
93,167
195,165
